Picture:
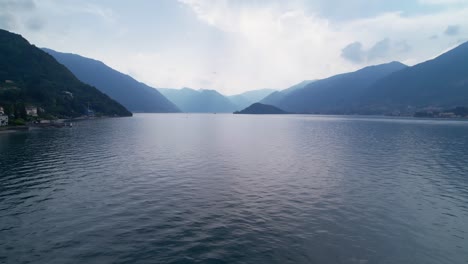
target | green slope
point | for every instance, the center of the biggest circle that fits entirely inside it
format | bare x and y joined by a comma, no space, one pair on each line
29,76
338,94
439,83
135,96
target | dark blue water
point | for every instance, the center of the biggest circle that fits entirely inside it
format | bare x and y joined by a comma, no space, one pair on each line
180,188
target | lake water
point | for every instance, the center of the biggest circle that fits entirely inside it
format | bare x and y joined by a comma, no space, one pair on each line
180,188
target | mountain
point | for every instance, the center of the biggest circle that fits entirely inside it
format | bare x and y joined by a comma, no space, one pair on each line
247,98
441,83
30,76
134,95
338,94
240,101
261,109
199,101
276,96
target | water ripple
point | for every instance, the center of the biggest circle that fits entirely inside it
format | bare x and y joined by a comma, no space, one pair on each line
236,189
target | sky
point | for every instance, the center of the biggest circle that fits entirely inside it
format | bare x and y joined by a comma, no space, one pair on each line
238,45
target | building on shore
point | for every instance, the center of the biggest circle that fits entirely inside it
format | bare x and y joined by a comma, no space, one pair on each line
3,120
67,94
3,117
31,110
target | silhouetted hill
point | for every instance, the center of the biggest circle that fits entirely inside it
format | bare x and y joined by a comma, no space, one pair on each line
338,94
247,98
276,96
30,76
441,82
199,101
134,95
261,109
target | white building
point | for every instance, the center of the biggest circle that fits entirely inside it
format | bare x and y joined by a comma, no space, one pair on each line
3,120
31,110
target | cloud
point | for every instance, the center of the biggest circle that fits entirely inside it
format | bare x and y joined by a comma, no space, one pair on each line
107,14
379,50
250,44
283,43
17,5
14,14
35,23
7,21
268,45
452,30
441,2
353,52
403,46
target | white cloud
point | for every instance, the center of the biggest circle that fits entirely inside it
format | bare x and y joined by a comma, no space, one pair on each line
452,30
233,46
270,46
275,46
442,2
414,30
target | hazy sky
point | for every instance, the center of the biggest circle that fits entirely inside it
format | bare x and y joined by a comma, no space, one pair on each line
238,45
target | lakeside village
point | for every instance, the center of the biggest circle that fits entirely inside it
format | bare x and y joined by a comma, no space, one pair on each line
28,117
22,116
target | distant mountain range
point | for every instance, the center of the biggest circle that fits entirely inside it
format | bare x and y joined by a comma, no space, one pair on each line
337,94
199,101
261,109
438,83
31,77
391,88
247,98
276,97
134,95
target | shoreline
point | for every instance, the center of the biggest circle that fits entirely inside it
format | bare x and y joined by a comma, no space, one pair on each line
13,129
63,123
59,123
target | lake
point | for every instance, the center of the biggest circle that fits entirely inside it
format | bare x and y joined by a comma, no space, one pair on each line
207,188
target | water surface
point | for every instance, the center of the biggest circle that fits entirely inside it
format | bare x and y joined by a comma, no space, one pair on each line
179,188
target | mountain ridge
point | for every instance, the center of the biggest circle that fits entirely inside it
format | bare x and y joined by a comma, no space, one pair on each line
135,95
30,76
245,99
277,96
440,82
336,94
262,109
199,101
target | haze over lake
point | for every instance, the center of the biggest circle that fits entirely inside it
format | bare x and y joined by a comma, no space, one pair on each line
206,188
